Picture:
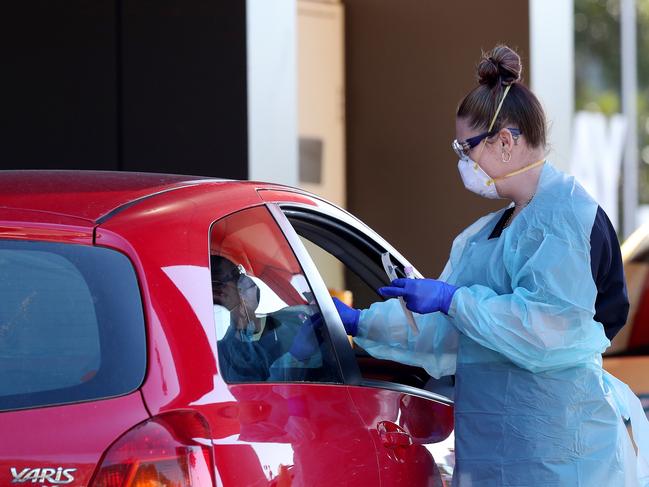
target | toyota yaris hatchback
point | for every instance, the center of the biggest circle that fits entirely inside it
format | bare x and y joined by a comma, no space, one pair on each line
162,330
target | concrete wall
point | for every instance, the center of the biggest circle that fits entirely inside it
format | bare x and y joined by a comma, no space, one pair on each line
272,90
408,63
552,50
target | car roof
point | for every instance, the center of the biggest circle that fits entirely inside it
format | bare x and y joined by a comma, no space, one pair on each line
90,195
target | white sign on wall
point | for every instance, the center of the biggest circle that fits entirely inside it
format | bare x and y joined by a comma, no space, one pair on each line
596,161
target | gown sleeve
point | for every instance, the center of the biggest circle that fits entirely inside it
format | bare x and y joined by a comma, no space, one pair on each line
547,321
384,333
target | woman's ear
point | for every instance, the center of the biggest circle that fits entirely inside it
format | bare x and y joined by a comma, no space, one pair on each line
506,140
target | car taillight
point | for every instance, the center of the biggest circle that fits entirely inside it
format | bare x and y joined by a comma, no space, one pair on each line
172,449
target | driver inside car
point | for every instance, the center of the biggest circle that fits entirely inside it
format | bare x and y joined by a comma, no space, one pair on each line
277,346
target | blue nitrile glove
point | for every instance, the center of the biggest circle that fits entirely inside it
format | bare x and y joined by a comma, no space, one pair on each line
349,316
305,344
421,295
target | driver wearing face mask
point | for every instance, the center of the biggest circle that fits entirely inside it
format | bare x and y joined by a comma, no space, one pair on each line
278,346
527,303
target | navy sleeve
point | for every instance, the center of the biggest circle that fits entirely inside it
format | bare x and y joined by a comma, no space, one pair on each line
612,303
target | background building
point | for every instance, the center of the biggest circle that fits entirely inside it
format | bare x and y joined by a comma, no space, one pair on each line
351,99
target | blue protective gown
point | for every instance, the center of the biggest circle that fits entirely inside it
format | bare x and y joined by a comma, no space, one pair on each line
533,406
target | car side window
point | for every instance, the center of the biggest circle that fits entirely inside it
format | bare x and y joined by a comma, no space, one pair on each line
269,327
350,265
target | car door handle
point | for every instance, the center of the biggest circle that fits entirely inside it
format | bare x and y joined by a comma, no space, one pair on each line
396,439
393,435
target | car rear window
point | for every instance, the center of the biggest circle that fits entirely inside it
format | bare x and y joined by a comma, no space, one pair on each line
71,324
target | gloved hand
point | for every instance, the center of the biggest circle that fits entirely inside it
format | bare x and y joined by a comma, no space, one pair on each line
349,316
305,344
421,295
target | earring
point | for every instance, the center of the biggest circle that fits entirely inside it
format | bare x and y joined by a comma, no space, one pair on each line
507,156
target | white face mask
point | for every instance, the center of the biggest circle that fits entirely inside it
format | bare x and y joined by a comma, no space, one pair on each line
473,176
476,180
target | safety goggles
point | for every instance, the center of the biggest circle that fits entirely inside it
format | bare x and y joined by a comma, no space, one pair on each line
463,147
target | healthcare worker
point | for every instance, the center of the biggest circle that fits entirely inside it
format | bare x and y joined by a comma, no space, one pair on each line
522,312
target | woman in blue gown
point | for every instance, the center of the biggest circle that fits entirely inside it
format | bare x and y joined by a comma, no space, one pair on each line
522,312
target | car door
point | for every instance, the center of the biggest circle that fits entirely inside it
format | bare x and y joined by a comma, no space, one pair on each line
408,414
284,414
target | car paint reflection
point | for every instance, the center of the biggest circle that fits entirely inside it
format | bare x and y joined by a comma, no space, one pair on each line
274,431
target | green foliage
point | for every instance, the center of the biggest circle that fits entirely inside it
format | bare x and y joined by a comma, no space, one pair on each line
597,47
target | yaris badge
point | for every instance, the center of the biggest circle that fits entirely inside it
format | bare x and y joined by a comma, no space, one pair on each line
54,476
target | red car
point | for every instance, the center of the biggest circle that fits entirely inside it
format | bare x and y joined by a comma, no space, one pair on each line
161,330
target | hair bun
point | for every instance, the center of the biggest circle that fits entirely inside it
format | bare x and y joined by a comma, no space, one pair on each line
502,65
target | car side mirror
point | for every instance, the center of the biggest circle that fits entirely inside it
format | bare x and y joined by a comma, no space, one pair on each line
425,420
